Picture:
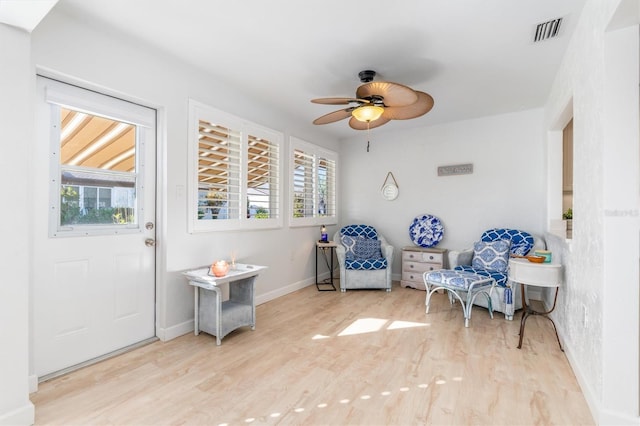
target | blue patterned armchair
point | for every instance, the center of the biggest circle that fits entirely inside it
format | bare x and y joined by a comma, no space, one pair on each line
364,257
506,297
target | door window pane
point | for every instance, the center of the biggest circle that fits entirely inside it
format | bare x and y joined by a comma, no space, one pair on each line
97,170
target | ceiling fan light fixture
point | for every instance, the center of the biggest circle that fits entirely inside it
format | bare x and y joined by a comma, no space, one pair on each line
367,113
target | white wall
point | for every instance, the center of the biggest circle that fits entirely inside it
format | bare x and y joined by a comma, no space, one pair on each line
64,46
507,187
16,122
598,308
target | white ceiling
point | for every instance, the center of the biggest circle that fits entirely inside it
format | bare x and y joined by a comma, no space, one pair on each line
475,57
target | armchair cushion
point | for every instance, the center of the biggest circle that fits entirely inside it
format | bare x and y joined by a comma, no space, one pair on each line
491,255
366,248
366,264
360,248
365,231
349,244
521,241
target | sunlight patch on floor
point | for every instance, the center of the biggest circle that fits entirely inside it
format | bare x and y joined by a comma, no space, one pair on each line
371,325
397,325
345,401
319,336
364,325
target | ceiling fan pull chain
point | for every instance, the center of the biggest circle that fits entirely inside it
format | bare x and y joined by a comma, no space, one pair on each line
368,133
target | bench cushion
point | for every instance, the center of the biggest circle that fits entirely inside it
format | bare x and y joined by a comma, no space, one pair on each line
456,279
500,277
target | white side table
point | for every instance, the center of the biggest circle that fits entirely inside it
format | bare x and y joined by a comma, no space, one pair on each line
539,275
219,318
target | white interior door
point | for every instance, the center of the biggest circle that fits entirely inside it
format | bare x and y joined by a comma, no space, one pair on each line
93,216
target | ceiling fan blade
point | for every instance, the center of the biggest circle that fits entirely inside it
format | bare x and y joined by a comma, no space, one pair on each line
338,101
421,107
360,125
334,116
393,94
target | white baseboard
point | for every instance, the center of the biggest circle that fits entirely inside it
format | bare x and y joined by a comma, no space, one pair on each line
25,415
263,298
612,418
33,383
589,396
166,334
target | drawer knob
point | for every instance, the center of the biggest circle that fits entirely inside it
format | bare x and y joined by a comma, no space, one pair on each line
411,266
430,257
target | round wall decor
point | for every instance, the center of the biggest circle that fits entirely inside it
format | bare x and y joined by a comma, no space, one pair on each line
390,191
390,188
426,230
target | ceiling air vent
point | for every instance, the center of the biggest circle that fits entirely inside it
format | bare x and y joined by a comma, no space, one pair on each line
547,30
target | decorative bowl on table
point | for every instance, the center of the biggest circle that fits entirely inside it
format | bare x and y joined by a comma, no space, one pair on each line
220,268
545,253
536,259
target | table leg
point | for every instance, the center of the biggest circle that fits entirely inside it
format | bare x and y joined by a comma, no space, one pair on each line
332,254
317,267
218,293
196,311
527,311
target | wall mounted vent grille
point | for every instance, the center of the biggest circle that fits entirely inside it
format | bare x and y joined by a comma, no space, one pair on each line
546,30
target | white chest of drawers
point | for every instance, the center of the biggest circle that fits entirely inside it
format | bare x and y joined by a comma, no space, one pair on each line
416,261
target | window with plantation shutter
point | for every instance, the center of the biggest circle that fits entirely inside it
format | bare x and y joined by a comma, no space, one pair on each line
303,201
234,171
263,178
326,187
218,172
313,189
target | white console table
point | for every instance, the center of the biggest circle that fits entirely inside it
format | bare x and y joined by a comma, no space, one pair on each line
539,275
215,316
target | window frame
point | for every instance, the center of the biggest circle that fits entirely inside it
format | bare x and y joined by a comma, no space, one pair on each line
316,152
200,111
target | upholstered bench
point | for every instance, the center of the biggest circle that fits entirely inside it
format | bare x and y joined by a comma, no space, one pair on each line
457,283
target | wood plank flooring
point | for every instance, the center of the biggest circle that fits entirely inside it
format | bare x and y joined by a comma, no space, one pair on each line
330,358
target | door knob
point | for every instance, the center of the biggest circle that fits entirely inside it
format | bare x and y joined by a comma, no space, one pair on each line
149,242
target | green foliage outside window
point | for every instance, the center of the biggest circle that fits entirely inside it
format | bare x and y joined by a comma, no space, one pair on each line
70,213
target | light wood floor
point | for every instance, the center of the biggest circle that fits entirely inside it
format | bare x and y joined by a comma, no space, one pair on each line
331,358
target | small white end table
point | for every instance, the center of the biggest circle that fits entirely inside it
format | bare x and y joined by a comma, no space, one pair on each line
527,273
217,317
